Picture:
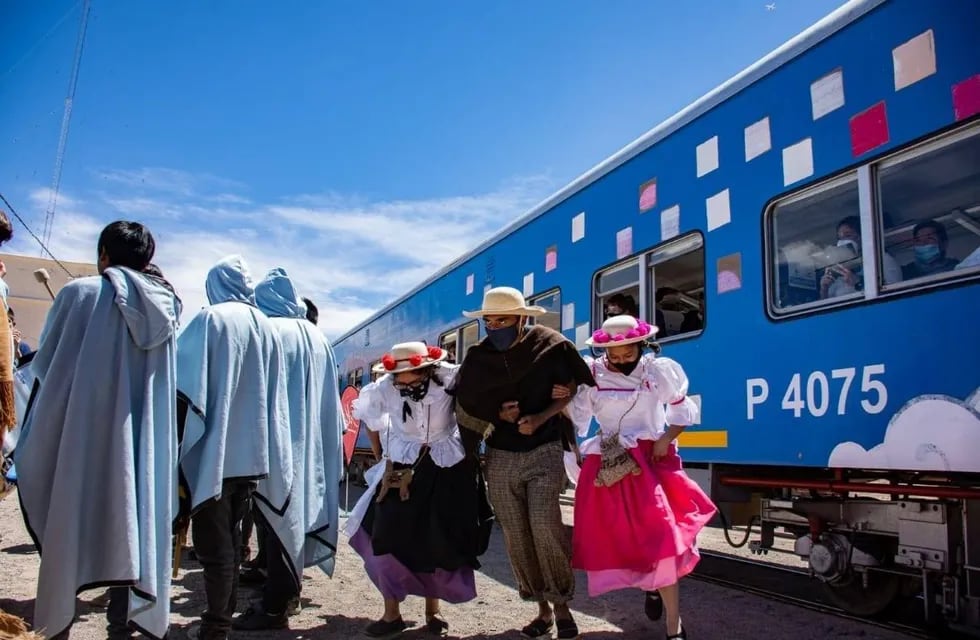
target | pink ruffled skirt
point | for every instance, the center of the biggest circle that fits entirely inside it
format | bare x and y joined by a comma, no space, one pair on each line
641,532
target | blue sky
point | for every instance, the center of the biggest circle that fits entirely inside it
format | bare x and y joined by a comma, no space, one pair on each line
334,139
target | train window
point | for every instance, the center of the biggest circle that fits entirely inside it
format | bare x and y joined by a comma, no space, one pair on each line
471,335
617,291
552,302
930,203
817,247
374,375
359,378
350,378
676,280
447,342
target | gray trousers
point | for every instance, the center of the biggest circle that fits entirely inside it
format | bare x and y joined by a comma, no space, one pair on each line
524,488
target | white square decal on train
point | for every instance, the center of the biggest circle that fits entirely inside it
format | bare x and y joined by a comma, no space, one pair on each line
670,222
797,162
578,227
827,94
757,139
719,210
707,156
915,60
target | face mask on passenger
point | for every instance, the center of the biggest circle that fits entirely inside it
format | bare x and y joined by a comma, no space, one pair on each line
926,252
847,242
625,368
415,391
502,338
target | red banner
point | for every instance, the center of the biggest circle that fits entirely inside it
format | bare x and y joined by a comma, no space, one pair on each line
351,424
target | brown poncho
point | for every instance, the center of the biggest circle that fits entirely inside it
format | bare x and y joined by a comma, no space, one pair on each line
526,373
8,412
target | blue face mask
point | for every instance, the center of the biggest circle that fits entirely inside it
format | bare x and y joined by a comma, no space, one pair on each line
926,252
501,339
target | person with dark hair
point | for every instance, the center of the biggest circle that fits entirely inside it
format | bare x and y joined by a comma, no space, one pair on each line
97,450
312,313
125,244
425,519
6,229
503,398
637,514
8,409
930,242
845,274
619,304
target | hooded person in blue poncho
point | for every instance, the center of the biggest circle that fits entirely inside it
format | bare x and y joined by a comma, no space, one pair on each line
305,534
96,455
235,429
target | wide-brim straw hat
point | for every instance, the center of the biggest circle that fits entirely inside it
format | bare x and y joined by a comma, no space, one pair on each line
618,331
505,301
409,356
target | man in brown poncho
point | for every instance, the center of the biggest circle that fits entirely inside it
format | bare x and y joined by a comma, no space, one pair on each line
11,627
8,414
504,395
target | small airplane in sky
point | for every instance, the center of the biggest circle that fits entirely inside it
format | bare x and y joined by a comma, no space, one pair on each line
771,7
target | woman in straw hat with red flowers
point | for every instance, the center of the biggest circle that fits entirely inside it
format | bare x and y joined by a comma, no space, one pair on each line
637,514
504,394
425,517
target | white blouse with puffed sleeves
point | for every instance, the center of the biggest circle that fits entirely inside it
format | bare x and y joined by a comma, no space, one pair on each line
432,421
638,406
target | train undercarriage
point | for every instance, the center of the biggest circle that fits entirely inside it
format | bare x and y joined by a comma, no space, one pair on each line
869,538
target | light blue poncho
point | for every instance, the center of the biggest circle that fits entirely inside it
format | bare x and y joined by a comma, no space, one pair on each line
308,527
230,373
96,457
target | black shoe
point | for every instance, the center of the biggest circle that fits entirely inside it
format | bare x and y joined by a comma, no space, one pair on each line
654,605
538,628
435,625
381,629
567,629
255,618
680,636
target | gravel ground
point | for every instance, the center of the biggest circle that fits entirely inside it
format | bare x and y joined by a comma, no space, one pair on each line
341,607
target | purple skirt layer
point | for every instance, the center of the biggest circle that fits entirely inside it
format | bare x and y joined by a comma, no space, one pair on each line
395,581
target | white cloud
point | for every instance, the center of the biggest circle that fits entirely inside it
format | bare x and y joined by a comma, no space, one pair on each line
349,254
931,432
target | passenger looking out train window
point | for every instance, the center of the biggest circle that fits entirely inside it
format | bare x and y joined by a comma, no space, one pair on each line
845,273
620,304
930,242
931,196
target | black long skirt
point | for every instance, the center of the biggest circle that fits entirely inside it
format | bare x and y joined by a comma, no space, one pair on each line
444,524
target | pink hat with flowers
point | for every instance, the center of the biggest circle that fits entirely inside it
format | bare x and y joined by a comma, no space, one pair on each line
618,331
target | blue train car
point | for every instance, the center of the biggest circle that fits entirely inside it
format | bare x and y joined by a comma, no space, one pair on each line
807,236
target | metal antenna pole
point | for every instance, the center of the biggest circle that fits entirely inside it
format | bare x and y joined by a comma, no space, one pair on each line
65,124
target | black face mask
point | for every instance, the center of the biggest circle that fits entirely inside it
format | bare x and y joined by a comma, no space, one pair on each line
625,368
417,391
501,339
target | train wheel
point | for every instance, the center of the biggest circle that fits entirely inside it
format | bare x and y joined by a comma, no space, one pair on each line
865,598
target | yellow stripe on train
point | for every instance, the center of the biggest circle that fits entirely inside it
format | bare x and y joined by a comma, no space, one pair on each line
704,439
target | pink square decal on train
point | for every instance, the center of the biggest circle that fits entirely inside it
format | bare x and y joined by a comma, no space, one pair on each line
966,98
551,259
648,195
869,129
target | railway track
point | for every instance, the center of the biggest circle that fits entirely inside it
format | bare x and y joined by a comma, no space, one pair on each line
796,587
